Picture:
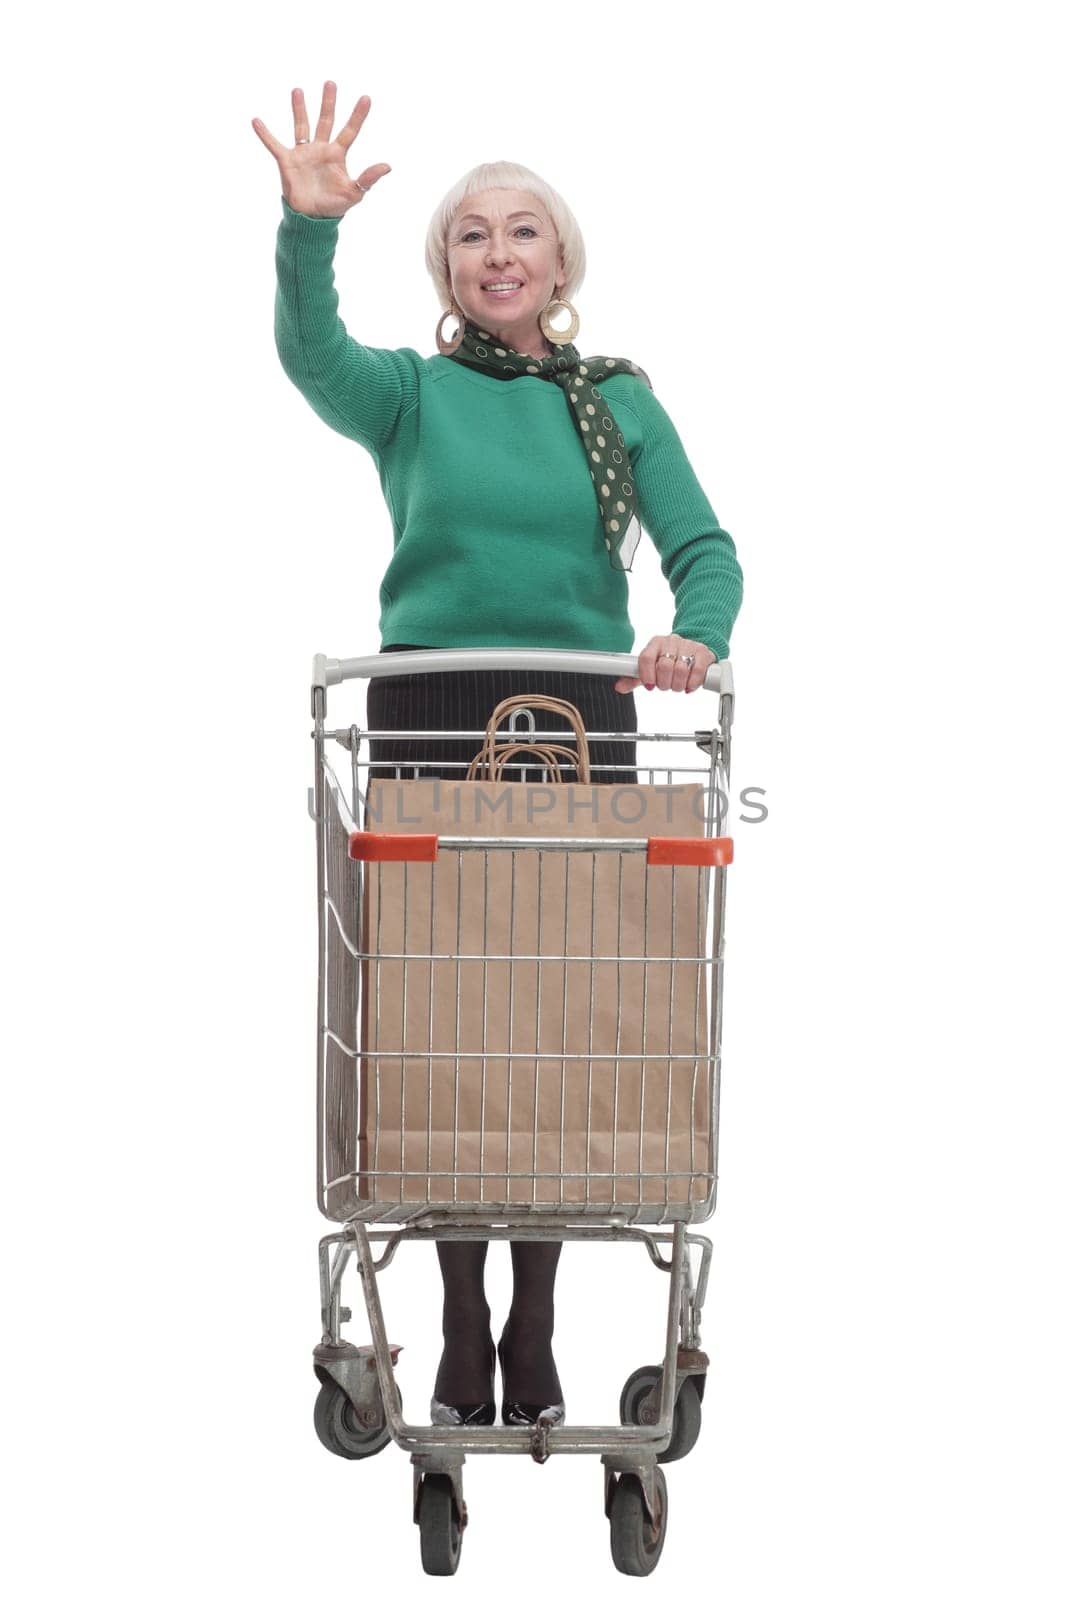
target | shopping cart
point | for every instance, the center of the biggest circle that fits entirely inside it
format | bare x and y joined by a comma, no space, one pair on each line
544,1197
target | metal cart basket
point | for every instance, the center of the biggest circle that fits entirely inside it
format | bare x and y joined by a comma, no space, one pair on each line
602,1047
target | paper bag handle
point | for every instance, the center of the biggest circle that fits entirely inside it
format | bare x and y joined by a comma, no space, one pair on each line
491,760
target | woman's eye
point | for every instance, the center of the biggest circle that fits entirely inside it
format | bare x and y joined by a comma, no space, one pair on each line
474,233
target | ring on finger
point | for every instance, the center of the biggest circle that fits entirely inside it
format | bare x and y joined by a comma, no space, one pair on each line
687,661
668,655
303,141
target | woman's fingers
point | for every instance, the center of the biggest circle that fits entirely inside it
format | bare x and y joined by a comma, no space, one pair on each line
300,117
324,126
370,175
347,134
677,674
670,673
661,665
703,658
647,660
646,666
276,148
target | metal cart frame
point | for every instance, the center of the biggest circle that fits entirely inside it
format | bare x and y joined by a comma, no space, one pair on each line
360,1406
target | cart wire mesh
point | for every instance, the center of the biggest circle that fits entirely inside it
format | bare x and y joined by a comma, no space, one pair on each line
524,1026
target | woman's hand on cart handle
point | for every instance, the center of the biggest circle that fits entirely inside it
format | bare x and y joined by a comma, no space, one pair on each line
315,180
670,662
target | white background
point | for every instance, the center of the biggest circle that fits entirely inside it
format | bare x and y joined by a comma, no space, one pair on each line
830,233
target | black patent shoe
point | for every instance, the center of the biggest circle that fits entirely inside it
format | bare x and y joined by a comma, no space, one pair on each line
480,1415
516,1416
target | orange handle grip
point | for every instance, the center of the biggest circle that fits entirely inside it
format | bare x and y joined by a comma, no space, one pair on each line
392,846
690,852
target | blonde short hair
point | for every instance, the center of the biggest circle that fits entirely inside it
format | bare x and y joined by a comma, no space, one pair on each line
503,175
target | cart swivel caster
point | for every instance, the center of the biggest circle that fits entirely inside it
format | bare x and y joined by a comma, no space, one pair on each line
338,1426
440,1525
637,1539
635,1410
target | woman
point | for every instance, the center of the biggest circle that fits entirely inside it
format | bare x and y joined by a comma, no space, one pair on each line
514,470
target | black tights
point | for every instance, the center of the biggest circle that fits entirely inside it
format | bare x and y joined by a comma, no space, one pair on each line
530,1377
460,700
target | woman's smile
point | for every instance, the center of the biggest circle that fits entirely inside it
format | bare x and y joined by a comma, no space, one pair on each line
503,289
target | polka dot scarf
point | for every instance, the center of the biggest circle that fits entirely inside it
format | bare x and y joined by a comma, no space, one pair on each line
605,448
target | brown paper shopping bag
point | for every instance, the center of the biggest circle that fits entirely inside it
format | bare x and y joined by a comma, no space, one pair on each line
493,1071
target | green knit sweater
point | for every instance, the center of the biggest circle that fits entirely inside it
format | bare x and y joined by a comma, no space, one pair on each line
497,538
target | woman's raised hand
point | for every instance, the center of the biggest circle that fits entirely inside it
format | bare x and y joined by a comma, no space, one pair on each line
314,178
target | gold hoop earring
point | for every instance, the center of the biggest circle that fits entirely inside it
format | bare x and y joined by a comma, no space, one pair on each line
447,346
570,333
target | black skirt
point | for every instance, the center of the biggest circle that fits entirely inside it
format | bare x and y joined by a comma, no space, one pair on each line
466,700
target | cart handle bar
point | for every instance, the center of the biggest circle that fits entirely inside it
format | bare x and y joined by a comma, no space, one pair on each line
660,852
326,670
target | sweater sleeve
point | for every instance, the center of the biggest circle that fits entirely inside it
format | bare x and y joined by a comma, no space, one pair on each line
697,556
360,391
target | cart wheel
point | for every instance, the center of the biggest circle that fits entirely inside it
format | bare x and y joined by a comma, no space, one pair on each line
338,1429
685,1428
635,1549
440,1531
